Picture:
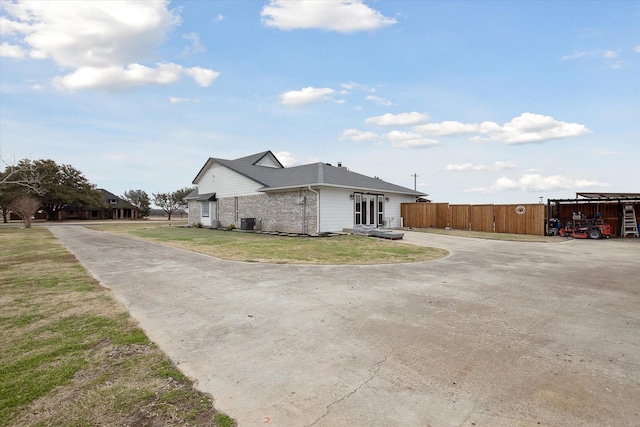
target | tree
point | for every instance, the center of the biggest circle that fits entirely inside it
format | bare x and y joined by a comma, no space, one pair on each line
140,199
166,202
25,207
17,180
62,186
171,202
22,174
180,195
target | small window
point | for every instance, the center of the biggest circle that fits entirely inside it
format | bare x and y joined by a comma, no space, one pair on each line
205,209
113,201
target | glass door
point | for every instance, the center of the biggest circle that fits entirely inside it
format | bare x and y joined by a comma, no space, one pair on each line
367,209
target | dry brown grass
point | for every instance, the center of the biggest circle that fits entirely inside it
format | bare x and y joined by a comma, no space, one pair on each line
71,355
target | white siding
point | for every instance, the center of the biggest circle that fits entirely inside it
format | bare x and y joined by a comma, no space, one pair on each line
226,183
209,221
336,209
268,161
392,208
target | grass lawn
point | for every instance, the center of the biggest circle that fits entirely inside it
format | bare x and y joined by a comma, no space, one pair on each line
250,247
71,355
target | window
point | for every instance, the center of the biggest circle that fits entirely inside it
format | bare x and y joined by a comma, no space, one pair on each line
357,198
381,211
205,209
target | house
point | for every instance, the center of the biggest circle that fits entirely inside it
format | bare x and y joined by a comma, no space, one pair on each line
118,208
258,192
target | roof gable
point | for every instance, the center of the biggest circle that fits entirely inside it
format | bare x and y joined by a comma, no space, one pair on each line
265,158
114,201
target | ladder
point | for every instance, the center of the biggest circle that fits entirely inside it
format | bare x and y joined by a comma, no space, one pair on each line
629,222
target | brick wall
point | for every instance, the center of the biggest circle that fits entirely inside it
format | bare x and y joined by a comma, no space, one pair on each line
290,212
195,210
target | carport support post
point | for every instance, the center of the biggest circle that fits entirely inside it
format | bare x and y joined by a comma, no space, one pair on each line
546,223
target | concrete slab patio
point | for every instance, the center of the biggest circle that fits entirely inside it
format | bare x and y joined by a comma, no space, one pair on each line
498,333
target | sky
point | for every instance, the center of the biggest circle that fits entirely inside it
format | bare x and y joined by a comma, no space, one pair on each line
470,101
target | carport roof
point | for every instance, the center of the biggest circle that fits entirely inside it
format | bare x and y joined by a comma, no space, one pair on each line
600,197
612,196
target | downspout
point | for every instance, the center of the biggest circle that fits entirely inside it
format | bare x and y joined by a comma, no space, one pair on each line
317,209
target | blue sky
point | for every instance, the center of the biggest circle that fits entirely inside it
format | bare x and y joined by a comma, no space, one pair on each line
487,102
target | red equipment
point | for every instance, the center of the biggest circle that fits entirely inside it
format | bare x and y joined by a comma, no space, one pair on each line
586,230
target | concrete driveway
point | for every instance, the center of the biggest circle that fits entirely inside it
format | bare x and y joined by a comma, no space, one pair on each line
498,333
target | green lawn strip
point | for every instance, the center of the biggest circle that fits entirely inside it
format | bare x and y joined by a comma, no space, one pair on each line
252,247
71,355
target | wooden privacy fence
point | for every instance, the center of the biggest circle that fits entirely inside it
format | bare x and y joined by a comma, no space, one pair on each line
516,219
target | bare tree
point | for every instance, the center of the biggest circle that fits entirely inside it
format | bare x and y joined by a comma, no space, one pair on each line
23,174
171,202
25,207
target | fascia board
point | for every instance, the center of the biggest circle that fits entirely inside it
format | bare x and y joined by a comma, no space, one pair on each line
317,185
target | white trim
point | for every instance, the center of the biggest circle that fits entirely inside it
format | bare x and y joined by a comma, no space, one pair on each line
344,187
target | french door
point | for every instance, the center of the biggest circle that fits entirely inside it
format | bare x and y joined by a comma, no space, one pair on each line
368,209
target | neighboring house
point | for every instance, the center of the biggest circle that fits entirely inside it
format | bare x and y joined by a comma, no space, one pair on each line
316,198
117,209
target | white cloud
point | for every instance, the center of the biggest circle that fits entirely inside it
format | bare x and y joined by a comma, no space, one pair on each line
175,100
530,127
497,166
359,136
218,18
610,57
402,119
12,50
526,128
352,85
203,76
195,47
574,55
103,42
306,95
537,182
286,158
636,49
9,27
604,153
119,78
504,165
93,34
451,128
344,16
379,101
401,139
460,167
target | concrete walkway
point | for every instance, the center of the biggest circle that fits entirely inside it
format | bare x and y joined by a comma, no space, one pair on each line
498,333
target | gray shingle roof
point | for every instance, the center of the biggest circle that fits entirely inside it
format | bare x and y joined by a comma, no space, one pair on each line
119,204
314,174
